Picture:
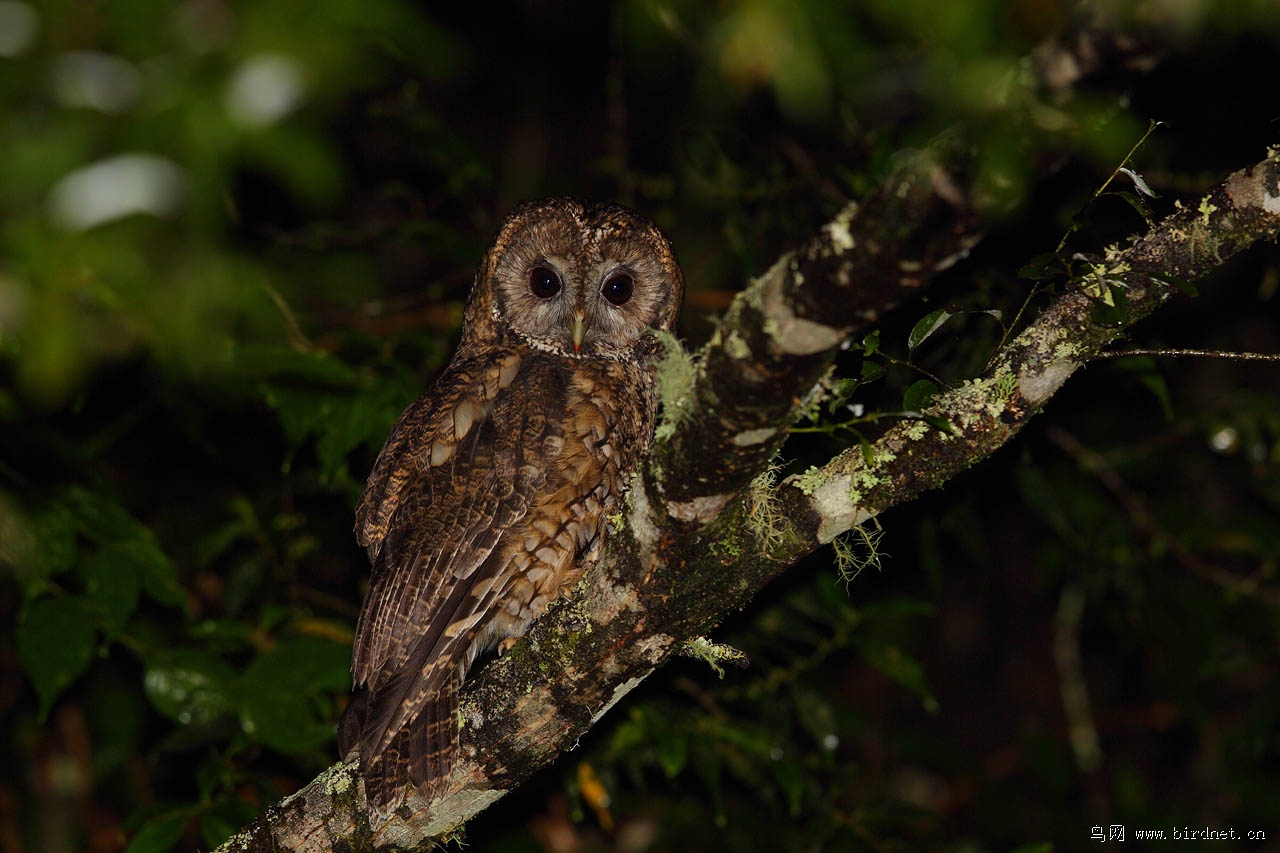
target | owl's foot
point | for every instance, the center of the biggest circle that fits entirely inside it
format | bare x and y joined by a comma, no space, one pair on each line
505,645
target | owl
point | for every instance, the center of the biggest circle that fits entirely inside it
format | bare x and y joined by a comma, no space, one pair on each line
491,493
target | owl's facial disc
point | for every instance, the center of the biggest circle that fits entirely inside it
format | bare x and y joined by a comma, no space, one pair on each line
582,281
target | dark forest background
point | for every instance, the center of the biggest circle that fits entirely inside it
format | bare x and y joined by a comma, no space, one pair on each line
235,239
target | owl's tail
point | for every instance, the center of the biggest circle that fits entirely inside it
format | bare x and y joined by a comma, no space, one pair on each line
421,753
386,778
434,741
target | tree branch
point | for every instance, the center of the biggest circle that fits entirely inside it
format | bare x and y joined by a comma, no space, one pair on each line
986,412
689,553
782,333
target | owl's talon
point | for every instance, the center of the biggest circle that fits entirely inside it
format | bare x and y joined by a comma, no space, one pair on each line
506,645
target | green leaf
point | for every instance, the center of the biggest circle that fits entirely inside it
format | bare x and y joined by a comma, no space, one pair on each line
1181,284
301,665
282,721
366,418
1155,383
220,539
918,395
111,585
338,422
274,692
227,816
215,829
895,663
55,538
872,371
212,775
160,834
628,734
1040,267
871,343
157,573
302,411
18,544
117,715
55,644
1136,202
39,542
129,550
189,686
790,777
672,750
841,390
1113,308
1139,182
753,741
223,634
940,423
101,518
868,452
926,326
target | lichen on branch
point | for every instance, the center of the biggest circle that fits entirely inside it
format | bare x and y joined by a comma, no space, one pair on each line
987,411
706,526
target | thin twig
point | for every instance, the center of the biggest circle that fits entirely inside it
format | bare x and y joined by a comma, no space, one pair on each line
1192,353
1098,192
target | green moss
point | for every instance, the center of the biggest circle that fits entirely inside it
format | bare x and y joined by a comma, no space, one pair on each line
1005,384
712,654
858,549
726,548
1206,208
1068,350
916,430
736,347
863,480
770,328
811,480
336,780
676,373
763,514
753,525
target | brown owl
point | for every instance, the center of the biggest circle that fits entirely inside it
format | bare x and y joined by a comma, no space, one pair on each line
492,490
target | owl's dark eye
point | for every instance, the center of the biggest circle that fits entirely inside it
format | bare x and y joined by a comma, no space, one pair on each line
543,283
618,288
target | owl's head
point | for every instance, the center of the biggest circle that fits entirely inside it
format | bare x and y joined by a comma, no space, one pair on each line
576,279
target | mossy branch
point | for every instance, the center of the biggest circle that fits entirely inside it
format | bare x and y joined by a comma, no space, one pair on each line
782,333
669,575
986,412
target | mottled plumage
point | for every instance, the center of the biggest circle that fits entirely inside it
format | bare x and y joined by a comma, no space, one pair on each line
491,493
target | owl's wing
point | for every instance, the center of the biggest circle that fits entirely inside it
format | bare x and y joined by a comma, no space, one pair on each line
444,490
427,434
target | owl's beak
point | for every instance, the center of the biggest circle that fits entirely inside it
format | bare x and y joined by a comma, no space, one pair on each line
578,330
